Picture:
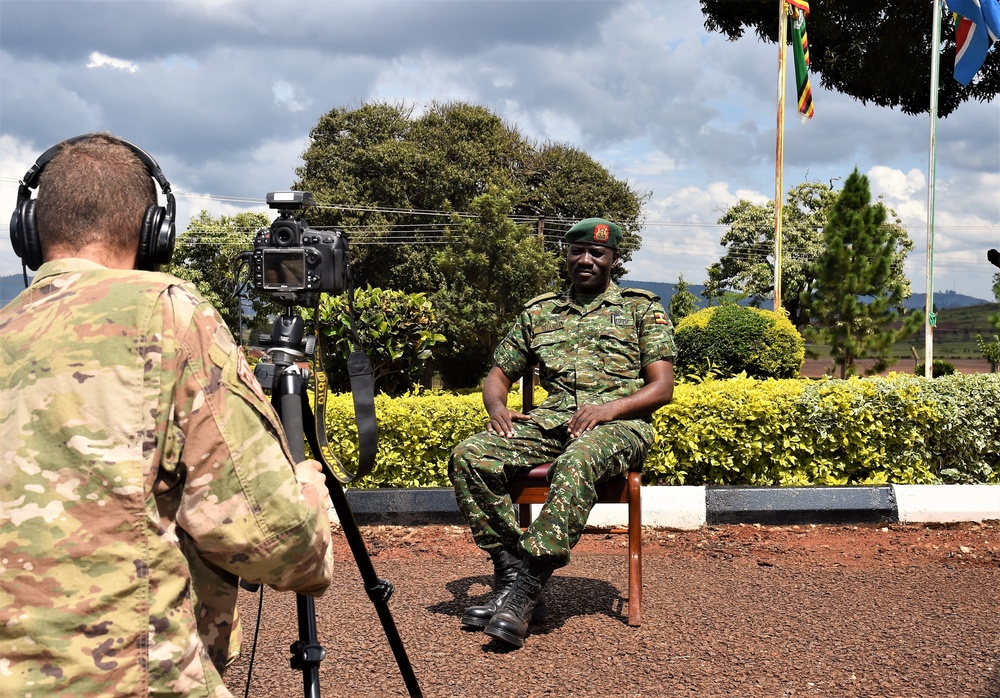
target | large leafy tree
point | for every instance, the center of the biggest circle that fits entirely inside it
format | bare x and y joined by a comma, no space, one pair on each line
491,267
563,184
747,267
391,179
853,297
426,200
205,254
878,52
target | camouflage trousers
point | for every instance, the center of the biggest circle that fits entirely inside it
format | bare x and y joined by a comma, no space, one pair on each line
481,465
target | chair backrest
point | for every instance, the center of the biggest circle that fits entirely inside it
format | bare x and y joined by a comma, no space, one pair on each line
528,389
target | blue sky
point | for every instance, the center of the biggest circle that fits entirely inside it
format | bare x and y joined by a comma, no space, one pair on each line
223,94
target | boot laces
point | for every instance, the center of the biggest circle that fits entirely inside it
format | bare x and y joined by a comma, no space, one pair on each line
520,594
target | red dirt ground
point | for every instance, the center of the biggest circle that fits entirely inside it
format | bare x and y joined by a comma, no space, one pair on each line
816,368
839,611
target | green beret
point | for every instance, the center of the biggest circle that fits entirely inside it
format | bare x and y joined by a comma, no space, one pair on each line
595,231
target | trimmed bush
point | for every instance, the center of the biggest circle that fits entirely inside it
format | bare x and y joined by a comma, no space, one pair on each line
727,340
966,440
899,429
939,367
737,431
860,431
416,434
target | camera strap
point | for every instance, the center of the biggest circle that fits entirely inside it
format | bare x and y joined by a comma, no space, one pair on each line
359,369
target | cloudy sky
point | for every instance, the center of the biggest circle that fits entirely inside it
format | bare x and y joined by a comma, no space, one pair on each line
223,94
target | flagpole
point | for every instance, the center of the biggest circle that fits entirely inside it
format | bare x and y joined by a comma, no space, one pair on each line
930,320
779,152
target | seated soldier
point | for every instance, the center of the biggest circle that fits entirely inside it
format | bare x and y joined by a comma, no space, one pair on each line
605,357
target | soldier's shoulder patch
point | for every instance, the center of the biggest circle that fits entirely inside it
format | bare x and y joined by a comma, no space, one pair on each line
640,292
544,297
247,376
660,319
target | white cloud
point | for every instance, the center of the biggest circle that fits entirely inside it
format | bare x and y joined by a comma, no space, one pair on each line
895,184
16,156
285,95
99,60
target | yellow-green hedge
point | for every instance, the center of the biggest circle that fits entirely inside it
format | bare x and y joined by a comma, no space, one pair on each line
728,340
741,431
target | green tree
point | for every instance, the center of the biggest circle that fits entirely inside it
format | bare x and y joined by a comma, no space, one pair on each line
420,197
397,331
747,267
390,180
995,317
683,302
563,184
853,295
205,254
490,269
990,351
874,52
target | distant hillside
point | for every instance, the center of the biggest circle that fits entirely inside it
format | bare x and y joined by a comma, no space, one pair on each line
666,291
10,286
942,301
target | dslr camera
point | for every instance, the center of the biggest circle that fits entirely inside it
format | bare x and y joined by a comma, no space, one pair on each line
291,258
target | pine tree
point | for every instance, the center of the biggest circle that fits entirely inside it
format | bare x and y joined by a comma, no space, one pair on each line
853,299
683,302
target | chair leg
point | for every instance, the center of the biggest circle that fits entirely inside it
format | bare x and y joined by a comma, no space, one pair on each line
524,515
634,549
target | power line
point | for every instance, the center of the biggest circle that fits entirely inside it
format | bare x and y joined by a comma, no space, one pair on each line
519,218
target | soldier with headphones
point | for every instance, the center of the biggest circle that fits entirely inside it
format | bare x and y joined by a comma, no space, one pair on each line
142,469
156,232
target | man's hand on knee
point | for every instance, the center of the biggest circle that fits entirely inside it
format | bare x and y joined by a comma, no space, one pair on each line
589,416
502,422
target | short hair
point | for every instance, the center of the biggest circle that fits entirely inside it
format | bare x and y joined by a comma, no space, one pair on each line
93,191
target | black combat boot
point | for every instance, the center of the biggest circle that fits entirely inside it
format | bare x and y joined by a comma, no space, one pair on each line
506,565
510,622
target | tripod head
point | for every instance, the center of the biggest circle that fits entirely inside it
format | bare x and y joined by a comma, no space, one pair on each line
287,345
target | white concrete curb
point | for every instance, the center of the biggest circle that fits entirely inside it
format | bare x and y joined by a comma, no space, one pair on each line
947,503
691,507
681,507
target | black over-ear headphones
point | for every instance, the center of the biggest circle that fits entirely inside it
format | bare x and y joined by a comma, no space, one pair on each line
156,238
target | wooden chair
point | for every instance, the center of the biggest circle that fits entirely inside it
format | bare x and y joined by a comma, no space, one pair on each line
532,487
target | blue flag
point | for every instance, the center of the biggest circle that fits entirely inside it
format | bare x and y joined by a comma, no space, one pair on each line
977,26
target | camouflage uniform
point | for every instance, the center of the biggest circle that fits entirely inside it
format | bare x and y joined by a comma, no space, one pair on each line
588,353
142,472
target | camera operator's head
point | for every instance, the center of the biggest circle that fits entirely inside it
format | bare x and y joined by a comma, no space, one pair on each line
95,201
92,198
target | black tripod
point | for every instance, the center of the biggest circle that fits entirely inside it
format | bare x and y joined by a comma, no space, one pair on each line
287,382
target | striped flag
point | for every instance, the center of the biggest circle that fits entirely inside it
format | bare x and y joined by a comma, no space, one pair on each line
977,25
800,50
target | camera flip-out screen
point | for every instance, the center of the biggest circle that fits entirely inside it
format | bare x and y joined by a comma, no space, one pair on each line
284,270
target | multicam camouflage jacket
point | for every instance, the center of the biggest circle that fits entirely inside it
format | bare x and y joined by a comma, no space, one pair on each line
588,351
142,472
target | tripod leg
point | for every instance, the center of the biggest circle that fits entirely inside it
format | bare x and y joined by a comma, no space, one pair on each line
289,398
379,590
307,653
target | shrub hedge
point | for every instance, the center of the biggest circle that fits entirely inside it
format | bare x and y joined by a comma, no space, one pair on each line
898,429
727,340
